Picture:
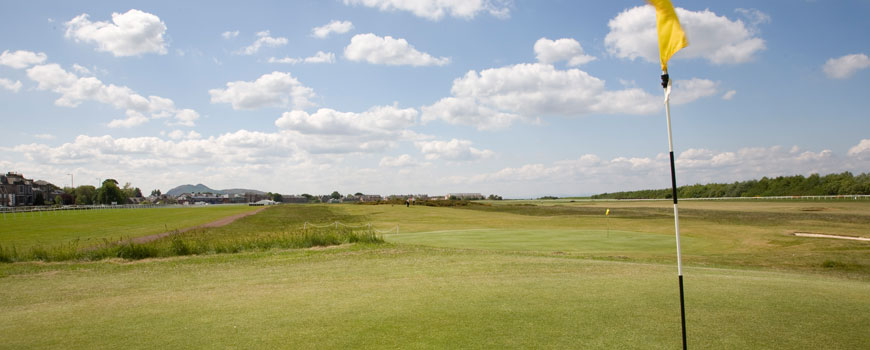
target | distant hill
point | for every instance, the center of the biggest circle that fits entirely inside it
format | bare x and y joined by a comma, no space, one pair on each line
200,188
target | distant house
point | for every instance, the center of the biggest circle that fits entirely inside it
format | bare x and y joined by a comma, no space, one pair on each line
370,198
15,190
294,199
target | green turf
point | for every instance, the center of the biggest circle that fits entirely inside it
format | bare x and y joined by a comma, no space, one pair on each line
405,297
536,277
25,230
588,241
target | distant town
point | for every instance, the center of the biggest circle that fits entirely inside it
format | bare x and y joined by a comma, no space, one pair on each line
17,190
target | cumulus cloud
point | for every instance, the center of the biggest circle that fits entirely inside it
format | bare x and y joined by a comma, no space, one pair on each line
569,50
264,38
10,85
277,89
591,174
334,26
133,119
861,150
129,34
388,50
401,161
846,66
686,91
230,34
383,120
715,38
74,90
437,9
319,57
453,150
21,59
496,97
728,95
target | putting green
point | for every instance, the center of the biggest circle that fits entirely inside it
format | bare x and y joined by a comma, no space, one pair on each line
585,241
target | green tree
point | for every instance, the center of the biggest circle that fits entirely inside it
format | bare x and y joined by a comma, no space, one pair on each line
155,193
38,199
109,193
335,195
85,195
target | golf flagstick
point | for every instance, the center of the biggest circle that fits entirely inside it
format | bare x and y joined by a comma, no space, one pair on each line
666,83
671,39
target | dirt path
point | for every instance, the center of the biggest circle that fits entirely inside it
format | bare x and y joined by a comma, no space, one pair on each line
217,223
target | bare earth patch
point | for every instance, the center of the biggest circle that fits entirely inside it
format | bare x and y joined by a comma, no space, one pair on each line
822,235
217,223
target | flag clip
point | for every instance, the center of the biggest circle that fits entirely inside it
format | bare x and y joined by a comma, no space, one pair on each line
665,81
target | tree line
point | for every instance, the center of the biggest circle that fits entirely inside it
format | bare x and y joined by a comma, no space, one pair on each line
108,193
798,185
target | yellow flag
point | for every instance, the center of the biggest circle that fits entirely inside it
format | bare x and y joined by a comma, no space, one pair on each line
606,213
671,35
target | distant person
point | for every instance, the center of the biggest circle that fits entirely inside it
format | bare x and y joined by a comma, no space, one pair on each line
408,203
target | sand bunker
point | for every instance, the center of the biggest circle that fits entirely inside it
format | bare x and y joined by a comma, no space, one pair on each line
821,235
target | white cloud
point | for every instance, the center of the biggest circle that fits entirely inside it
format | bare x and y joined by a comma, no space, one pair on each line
334,26
319,57
44,136
230,34
10,85
133,119
497,97
388,50
437,9
180,135
754,16
846,66
716,38
74,90
185,117
728,95
130,34
591,174
453,150
264,38
21,59
401,161
861,150
552,51
686,91
274,89
380,120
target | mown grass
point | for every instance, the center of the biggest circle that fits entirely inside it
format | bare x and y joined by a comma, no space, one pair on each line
726,234
403,296
84,227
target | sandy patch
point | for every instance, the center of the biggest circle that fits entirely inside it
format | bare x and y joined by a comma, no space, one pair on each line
822,235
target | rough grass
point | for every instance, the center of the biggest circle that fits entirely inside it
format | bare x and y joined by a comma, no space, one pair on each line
277,227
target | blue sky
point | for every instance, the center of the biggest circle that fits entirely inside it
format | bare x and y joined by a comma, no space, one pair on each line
517,98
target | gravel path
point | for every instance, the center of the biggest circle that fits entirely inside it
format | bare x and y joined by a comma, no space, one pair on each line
217,223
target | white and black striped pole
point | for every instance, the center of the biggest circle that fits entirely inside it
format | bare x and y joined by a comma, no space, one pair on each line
666,84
